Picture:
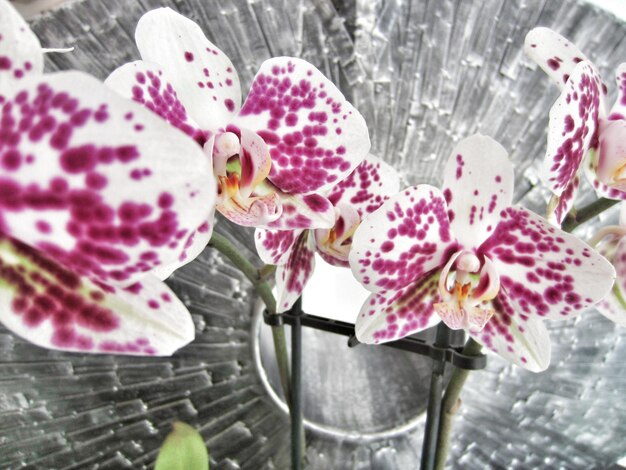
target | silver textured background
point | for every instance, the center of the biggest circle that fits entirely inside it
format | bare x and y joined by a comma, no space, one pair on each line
425,74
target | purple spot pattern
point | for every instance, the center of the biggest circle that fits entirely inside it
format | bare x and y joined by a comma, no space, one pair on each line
298,211
274,246
404,239
568,144
307,124
392,315
293,276
103,233
151,90
366,188
76,312
540,266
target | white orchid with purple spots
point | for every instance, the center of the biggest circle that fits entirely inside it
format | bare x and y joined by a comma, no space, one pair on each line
87,219
293,251
466,256
294,137
583,129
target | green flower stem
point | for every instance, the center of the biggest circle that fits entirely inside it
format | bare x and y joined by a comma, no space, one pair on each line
221,244
450,405
582,215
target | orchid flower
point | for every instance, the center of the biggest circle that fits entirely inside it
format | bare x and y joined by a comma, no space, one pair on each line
478,263
295,136
611,242
365,189
582,129
97,197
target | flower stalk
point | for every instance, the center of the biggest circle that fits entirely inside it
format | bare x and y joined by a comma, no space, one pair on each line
224,246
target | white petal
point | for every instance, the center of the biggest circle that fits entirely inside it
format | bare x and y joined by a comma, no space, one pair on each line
275,246
521,340
553,53
202,75
478,184
20,51
390,315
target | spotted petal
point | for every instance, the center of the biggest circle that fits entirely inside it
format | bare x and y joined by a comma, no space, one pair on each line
202,75
316,138
618,111
573,123
545,271
478,184
557,56
96,181
519,339
367,187
309,211
147,84
613,305
20,51
293,276
275,246
50,306
195,244
390,315
407,237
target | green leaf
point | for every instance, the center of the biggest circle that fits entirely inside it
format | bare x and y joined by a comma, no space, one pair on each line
183,449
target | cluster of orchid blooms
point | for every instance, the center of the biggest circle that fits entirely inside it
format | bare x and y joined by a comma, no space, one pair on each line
107,188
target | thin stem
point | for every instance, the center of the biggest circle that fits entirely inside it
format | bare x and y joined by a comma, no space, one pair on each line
582,215
450,405
296,390
433,414
224,246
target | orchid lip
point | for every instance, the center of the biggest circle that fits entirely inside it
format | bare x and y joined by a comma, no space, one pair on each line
465,284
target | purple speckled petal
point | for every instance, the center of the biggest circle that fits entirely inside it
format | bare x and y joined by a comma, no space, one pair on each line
96,181
573,124
147,84
202,75
391,315
367,187
556,55
477,184
316,137
310,211
55,308
274,246
292,276
618,111
195,244
613,305
565,203
407,237
20,51
521,340
546,272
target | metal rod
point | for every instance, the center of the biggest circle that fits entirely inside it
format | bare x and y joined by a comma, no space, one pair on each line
296,387
433,413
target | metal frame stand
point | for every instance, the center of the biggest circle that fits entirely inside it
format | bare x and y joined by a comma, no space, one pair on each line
440,351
